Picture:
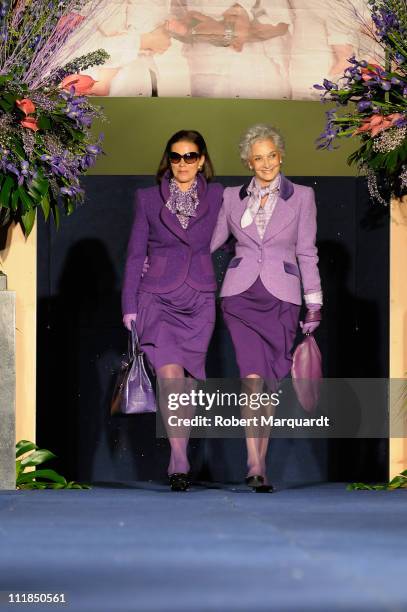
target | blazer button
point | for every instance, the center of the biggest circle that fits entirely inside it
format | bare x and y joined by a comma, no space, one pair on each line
259,260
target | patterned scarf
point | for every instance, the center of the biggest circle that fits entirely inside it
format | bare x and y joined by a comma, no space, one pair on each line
183,203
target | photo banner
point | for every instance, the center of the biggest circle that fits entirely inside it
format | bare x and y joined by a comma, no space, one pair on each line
254,49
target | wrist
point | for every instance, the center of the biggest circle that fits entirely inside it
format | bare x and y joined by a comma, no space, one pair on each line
313,316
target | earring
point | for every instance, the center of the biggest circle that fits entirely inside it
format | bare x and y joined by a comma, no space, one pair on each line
199,168
281,161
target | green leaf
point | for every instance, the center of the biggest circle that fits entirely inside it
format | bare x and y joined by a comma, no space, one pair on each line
10,98
27,220
37,457
5,191
25,198
70,207
41,185
4,78
44,123
56,214
14,200
42,474
17,148
45,205
5,105
355,486
19,469
23,446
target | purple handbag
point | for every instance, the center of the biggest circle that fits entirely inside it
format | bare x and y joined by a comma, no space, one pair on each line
133,392
306,372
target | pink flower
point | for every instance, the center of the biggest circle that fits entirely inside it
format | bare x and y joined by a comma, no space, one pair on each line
69,22
26,105
378,123
81,82
30,123
369,73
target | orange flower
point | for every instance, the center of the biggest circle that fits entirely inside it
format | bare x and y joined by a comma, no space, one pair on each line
378,123
369,73
26,105
81,82
30,123
69,22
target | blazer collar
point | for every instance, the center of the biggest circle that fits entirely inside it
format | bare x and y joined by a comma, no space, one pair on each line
170,219
286,189
282,215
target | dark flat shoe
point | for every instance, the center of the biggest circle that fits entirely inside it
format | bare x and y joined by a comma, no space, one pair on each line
264,489
179,481
255,481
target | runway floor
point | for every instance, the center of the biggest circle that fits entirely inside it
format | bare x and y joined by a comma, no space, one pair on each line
139,547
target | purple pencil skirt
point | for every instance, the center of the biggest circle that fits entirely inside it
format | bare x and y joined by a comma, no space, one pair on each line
176,327
263,330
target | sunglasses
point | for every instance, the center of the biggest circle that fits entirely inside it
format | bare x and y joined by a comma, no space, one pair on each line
189,158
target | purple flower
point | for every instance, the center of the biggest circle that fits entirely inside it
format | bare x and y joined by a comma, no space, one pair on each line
386,85
364,105
71,191
94,149
329,85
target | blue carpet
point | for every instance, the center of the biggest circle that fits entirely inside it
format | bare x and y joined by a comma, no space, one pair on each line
139,547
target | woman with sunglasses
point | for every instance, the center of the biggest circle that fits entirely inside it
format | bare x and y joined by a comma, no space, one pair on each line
173,301
274,223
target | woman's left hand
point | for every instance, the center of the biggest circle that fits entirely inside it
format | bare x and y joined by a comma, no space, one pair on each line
312,319
309,328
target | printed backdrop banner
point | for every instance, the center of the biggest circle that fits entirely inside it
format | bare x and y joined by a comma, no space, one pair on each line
272,49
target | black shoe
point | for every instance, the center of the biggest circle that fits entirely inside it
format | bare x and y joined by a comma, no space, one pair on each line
255,481
264,489
179,481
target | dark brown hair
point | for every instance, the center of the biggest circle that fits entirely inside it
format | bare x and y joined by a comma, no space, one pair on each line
187,136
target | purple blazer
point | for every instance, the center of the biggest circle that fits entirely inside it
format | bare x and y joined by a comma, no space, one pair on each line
175,255
287,256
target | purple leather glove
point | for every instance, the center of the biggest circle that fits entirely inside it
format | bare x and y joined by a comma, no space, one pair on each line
128,318
312,319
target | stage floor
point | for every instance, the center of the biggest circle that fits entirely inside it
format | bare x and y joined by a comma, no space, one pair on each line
138,547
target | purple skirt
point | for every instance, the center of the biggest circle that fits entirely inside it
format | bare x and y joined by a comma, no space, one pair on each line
263,330
176,328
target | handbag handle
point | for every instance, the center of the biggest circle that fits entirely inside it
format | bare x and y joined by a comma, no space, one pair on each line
134,344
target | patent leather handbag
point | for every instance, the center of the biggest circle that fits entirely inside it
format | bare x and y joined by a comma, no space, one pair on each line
133,392
306,373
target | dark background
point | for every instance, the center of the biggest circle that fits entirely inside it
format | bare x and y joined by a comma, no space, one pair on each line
81,340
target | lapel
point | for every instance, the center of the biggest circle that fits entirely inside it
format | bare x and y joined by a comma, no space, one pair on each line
237,212
284,211
203,205
170,220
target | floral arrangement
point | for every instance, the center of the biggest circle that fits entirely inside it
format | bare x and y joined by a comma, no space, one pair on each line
45,118
371,103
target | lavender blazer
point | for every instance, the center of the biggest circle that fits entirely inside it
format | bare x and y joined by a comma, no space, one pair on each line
287,256
175,255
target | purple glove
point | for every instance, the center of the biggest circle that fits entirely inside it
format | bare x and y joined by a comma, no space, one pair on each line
128,318
312,319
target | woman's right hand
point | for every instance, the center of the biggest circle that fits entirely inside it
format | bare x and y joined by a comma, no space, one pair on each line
128,319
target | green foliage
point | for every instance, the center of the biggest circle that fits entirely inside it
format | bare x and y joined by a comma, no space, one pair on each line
398,482
28,455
